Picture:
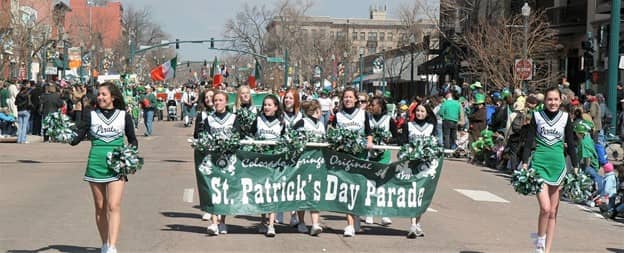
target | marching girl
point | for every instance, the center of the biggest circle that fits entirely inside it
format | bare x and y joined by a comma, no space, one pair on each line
550,131
243,100
269,126
205,108
223,124
313,124
424,125
379,118
292,108
106,125
352,118
291,115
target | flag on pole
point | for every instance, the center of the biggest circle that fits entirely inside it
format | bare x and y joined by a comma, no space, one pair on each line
215,72
254,76
165,71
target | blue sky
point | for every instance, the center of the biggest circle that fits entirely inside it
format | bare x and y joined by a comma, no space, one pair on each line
202,19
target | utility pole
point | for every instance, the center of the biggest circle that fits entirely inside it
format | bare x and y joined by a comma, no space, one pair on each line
614,42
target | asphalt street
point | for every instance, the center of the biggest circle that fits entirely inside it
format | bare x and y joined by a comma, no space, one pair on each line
46,207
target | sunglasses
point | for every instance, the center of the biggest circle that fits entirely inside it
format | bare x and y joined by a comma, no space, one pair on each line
363,101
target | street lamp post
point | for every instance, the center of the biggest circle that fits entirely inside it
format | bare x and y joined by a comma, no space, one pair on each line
526,12
412,45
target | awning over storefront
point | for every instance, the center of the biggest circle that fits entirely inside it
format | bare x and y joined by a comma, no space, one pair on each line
367,78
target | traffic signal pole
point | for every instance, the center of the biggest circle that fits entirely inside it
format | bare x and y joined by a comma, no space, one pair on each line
614,42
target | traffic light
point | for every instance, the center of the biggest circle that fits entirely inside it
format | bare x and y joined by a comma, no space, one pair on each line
211,42
188,64
177,43
588,55
205,63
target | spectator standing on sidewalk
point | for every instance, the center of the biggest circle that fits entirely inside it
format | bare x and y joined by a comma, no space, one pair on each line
450,111
149,106
50,102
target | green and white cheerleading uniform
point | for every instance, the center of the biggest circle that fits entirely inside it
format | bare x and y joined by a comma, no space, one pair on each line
290,121
415,130
317,129
548,158
384,124
355,121
107,134
221,127
268,129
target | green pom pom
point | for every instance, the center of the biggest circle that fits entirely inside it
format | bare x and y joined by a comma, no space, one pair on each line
526,182
124,160
347,141
59,127
216,144
245,118
380,137
421,149
577,187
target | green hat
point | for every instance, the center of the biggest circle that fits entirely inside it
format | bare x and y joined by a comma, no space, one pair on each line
505,93
487,133
479,99
580,128
588,125
475,85
462,99
387,94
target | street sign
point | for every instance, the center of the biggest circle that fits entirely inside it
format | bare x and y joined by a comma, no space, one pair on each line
523,69
275,59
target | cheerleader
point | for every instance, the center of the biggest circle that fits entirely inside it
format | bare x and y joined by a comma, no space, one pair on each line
352,118
205,108
292,108
269,126
223,124
243,100
551,132
312,124
291,115
106,126
380,119
424,125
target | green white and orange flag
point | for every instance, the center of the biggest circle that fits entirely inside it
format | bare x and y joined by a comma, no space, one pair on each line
165,71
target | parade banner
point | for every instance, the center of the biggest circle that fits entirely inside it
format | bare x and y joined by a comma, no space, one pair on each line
318,179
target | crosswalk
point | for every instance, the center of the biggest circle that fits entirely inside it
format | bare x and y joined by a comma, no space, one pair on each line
478,195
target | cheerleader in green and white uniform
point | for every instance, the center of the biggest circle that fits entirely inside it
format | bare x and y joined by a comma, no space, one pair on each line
380,119
312,124
424,125
291,115
205,108
269,126
353,119
551,132
107,126
243,100
223,124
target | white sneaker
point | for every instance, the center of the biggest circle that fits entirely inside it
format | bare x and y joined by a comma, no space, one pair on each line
111,250
213,229
206,216
294,219
316,230
270,231
104,248
349,231
415,231
262,229
385,221
540,245
301,227
222,229
369,220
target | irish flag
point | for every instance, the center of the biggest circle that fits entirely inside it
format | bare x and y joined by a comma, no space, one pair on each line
165,71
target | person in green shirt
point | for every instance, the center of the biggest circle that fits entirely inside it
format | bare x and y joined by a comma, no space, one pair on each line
588,158
149,106
450,111
4,95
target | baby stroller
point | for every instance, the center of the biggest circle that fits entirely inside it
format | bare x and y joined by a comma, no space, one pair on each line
172,110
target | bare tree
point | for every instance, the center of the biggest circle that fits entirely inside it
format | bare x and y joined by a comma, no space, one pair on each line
495,44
